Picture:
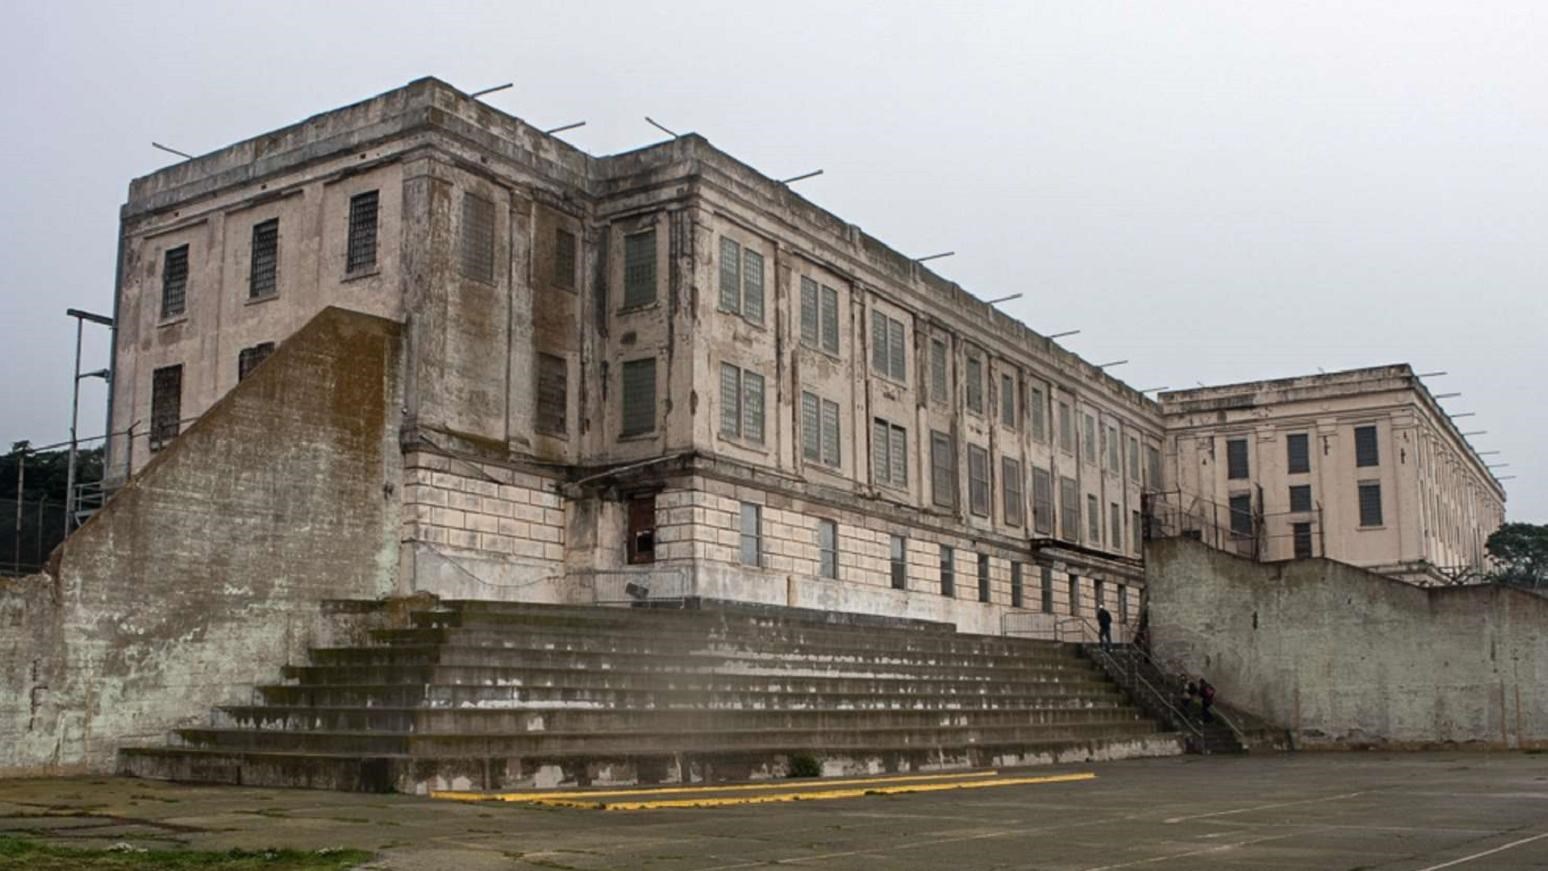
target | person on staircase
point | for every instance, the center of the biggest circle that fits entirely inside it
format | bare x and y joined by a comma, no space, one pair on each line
1105,628
1206,699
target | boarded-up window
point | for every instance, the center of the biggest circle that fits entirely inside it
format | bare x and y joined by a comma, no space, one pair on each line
639,397
1042,502
639,269
948,571
978,480
889,453
827,549
1366,453
565,256
888,355
1010,487
553,395
983,577
478,239
1093,521
249,358
1069,509
263,271
1236,459
975,384
166,405
642,529
752,534
1241,514
898,560
1017,595
1008,400
943,470
1370,503
360,250
174,281
1297,454
1037,410
1045,589
938,377
1301,497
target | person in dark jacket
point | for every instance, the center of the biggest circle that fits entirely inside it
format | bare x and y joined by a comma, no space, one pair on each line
1105,627
1206,699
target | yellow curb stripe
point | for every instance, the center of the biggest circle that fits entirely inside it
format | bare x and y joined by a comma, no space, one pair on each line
823,795
455,795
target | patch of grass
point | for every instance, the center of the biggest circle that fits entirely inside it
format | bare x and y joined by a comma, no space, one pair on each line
19,853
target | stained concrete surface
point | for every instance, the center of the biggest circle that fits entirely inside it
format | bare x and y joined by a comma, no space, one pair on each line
1324,811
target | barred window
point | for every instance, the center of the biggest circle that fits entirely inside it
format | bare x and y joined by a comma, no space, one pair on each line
811,319
830,434
1301,534
566,255
249,358
1069,509
978,480
948,571
1241,514
263,272
975,384
830,320
741,280
166,405
741,403
360,251
1301,497
819,430
1093,521
1236,459
639,269
174,281
983,577
943,470
938,376
1042,502
1017,596
639,396
1010,488
752,534
1370,503
889,453
1066,429
827,549
477,245
553,395
1366,453
898,553
1297,454
888,356
1008,401
1037,410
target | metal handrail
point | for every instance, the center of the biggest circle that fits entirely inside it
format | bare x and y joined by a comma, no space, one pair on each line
1178,717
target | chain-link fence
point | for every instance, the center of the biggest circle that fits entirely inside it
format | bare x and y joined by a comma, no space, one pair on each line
25,546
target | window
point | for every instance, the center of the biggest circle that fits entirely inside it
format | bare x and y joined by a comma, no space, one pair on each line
174,282
166,405
1074,594
1370,503
741,281
1236,459
898,551
889,453
752,537
1017,596
1069,509
741,403
943,470
1114,452
1036,411
827,549
1123,603
1010,489
819,430
1241,514
1091,439
1099,593
1300,497
360,250
642,529
983,577
948,571
1302,535
888,356
639,269
1066,429
249,358
1093,520
1134,465
565,256
553,395
1115,526
1042,502
978,480
639,396
1046,590
263,272
1008,401
1153,467
975,384
478,238
1365,446
1138,531
1297,456
819,316
938,376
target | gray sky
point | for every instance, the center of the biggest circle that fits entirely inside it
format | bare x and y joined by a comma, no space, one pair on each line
1217,192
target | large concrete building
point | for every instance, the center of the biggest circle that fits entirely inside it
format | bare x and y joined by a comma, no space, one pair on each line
1362,466
659,369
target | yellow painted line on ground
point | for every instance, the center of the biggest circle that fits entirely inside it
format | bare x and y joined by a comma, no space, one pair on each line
810,795
455,795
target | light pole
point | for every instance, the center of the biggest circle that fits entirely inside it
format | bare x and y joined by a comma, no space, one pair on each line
81,317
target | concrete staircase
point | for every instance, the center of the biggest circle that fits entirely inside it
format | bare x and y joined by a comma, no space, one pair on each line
480,695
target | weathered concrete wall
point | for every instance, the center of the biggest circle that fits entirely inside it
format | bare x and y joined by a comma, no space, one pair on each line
1346,658
205,572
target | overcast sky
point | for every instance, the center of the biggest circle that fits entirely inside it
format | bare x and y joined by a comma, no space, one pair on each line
1215,192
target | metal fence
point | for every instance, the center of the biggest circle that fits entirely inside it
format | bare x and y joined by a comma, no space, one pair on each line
1243,528
29,532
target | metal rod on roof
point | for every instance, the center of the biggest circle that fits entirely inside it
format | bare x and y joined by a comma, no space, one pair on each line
1495,465
1429,374
814,173
1445,395
171,150
1154,389
1114,363
998,300
1485,453
1461,414
652,122
933,256
565,127
476,94
1476,432
1063,334
1503,477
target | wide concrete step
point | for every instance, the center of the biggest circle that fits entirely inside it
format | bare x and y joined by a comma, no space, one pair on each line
497,721
723,615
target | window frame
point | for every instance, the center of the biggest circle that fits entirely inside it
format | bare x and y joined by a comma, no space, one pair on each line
543,369
476,244
753,512
985,581
1239,515
943,493
1291,464
980,486
641,278
897,471
637,365
889,351
897,561
265,242
1361,489
1238,461
1367,453
362,233
179,290
740,277
1008,402
1012,494
948,569
827,554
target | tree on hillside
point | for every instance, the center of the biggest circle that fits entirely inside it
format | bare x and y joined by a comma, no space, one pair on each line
46,472
1520,552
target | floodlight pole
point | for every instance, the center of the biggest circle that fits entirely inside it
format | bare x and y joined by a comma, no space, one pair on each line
81,317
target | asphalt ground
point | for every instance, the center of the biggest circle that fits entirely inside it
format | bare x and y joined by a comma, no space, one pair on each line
1416,812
